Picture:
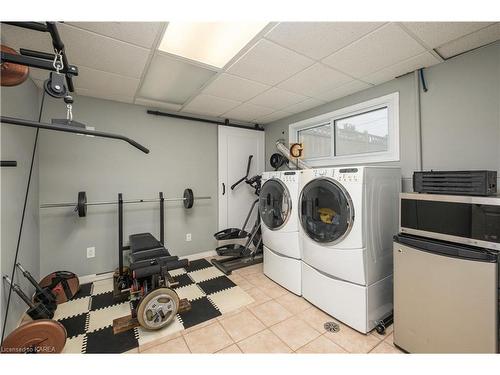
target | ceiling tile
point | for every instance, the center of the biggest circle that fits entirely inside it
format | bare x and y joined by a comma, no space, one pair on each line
248,112
435,34
479,38
107,83
172,80
304,106
233,87
140,33
269,63
423,60
272,117
101,95
384,47
156,104
83,48
319,39
210,105
344,90
315,79
90,80
277,99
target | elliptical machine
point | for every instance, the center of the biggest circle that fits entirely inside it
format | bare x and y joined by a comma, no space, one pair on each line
238,255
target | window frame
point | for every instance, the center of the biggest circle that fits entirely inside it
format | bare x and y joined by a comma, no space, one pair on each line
390,101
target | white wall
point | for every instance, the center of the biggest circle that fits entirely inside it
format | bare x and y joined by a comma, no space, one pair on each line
183,154
17,144
460,115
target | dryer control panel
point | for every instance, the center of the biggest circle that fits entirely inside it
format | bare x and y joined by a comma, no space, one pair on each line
348,175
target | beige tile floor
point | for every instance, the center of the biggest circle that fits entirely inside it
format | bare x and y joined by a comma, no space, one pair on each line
277,322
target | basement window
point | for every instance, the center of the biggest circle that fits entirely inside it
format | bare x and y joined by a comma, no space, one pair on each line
366,132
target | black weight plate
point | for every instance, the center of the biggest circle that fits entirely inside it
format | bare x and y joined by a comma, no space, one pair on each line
277,160
82,204
188,198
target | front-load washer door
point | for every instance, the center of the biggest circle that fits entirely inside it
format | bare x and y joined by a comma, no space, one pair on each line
326,211
275,204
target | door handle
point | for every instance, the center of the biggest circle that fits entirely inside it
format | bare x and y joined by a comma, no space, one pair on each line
223,188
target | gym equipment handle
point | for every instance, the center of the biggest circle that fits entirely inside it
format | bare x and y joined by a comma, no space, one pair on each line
68,129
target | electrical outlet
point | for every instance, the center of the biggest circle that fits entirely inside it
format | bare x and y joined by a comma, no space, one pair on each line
90,252
188,237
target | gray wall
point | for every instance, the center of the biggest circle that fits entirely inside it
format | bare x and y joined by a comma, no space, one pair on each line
183,154
460,115
17,144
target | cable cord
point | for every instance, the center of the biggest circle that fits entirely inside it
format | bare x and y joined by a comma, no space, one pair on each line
26,196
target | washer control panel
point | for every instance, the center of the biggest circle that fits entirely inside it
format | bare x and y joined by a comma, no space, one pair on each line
289,176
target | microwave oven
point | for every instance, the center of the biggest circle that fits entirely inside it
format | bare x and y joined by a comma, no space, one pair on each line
468,220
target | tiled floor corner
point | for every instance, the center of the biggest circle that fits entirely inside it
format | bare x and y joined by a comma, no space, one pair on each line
277,321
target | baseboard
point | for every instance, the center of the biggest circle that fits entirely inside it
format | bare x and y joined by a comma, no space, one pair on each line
107,275
205,254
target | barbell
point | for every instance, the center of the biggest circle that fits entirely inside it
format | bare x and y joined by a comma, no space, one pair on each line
81,205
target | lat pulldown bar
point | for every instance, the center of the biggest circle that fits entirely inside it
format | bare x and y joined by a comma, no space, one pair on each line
81,206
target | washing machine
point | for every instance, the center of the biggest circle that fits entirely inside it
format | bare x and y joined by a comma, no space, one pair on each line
280,229
347,218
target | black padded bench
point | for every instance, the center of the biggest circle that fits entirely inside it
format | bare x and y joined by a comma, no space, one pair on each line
149,256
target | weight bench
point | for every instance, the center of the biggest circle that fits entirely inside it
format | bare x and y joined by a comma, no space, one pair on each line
149,257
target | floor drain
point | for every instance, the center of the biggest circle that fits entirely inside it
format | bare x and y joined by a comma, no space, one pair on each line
331,327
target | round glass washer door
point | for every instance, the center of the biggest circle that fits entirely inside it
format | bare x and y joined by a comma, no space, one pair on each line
326,211
274,204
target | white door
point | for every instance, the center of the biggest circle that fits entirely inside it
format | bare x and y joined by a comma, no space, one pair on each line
235,147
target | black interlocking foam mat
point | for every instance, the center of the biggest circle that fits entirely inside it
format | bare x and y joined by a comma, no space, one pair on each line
89,316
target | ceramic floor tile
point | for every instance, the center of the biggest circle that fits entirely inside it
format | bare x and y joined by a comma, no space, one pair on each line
352,340
208,339
270,313
255,269
388,332
321,345
242,325
385,348
260,280
230,299
258,295
293,303
104,317
274,291
232,349
294,332
150,338
177,345
102,286
263,342
241,282
315,318
191,292
205,274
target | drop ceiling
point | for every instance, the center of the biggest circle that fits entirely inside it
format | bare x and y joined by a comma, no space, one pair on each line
287,68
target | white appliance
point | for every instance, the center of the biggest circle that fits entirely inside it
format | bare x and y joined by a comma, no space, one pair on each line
348,217
280,228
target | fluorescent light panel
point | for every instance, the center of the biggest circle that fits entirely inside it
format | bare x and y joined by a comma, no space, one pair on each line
212,43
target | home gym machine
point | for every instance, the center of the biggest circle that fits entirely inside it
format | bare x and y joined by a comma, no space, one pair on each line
32,337
147,282
239,256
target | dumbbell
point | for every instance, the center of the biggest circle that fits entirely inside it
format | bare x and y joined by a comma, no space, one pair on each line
42,295
36,310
